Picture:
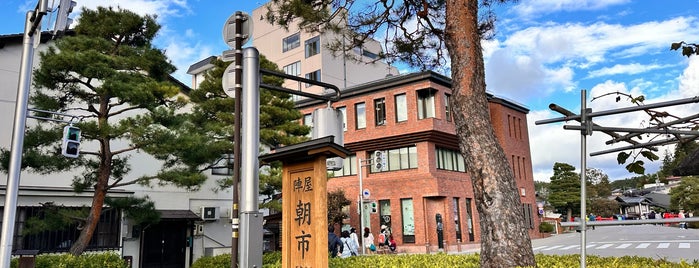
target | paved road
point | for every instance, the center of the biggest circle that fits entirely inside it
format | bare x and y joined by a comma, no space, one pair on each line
654,241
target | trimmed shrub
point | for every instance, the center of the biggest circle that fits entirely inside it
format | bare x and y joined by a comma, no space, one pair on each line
545,227
87,260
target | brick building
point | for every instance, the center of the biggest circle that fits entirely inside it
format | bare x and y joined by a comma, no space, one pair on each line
408,118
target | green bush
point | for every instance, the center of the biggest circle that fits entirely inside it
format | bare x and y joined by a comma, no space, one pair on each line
545,227
87,260
273,260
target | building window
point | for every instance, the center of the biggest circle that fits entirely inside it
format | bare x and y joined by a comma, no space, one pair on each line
450,160
291,42
343,110
401,108
469,220
312,46
380,111
360,115
106,236
447,108
398,159
315,76
528,215
457,218
425,103
408,219
369,54
349,167
308,121
385,214
293,69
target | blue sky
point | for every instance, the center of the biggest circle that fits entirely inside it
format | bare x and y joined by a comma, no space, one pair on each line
544,51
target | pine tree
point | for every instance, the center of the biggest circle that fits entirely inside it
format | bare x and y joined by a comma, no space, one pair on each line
564,193
110,75
279,124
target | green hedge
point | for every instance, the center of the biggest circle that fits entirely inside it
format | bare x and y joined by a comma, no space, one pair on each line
87,260
545,227
273,260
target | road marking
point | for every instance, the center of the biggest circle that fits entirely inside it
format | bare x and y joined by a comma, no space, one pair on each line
604,246
552,248
538,248
664,245
684,245
643,245
570,247
624,245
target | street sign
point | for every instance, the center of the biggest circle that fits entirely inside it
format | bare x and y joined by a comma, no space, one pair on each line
228,81
541,211
366,193
229,29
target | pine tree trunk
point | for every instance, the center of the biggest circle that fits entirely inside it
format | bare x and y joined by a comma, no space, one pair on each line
90,224
104,172
505,240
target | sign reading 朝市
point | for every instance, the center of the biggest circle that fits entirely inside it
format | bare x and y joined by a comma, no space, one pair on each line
304,201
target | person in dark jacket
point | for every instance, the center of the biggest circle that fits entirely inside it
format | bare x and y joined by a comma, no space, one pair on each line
334,243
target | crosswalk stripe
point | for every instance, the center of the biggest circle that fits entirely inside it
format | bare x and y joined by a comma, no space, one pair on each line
684,245
552,248
538,248
664,245
624,245
604,246
643,245
569,247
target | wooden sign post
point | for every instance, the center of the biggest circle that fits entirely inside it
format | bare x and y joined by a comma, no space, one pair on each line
304,201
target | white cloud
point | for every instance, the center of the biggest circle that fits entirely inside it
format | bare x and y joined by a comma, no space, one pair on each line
550,143
633,68
529,8
538,61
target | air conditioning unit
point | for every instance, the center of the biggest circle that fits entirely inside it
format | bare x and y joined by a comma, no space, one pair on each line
210,213
199,229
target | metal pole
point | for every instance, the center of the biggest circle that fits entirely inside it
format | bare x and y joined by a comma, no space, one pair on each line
361,205
250,243
583,166
238,60
33,18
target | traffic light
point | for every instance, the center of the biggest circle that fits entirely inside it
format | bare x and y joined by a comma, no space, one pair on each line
379,160
71,142
374,207
65,7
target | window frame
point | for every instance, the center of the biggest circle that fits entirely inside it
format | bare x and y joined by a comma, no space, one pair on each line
312,46
426,103
360,119
401,107
380,112
292,41
293,66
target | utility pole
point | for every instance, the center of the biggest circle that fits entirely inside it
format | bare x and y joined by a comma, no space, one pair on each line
31,24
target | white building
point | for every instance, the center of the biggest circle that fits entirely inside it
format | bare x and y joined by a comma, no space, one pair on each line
183,234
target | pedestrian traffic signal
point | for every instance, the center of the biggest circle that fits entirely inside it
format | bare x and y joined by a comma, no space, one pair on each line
374,207
71,142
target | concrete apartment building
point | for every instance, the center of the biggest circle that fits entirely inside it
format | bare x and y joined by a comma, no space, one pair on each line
306,55
409,119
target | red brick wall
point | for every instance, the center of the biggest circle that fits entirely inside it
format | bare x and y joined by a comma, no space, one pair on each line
432,190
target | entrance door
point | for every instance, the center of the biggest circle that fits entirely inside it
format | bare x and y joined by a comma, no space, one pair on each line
164,245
